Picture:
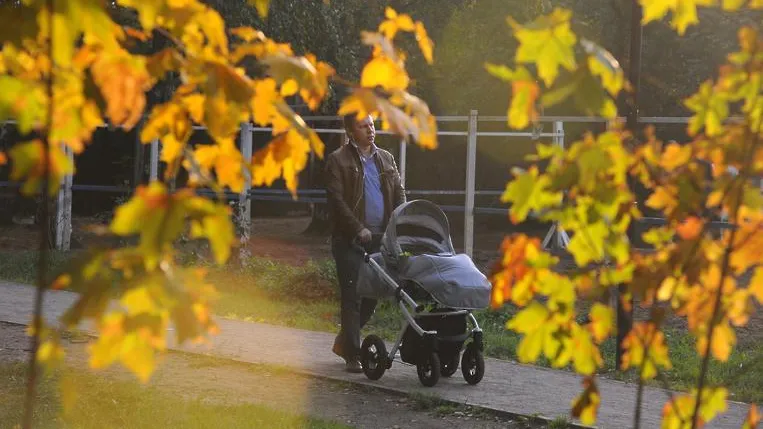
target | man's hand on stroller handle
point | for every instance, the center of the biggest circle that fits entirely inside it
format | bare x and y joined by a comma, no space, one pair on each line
364,236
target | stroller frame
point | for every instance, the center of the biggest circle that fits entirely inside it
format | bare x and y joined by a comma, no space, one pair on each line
375,360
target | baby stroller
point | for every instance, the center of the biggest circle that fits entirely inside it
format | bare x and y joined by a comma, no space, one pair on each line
436,290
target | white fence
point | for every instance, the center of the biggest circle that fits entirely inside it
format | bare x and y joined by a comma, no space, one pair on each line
555,237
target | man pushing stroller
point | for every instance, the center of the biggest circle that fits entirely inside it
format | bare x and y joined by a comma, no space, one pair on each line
363,187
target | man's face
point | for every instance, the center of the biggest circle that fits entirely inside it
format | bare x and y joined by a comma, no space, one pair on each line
363,132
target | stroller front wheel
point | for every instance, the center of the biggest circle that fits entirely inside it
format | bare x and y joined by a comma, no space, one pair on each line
373,357
472,365
428,369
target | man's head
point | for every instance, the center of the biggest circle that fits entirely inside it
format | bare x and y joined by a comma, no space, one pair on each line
361,131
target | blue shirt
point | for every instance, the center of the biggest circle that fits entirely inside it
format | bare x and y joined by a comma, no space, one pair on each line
372,192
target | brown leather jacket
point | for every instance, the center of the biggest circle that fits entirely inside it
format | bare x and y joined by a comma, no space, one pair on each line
344,189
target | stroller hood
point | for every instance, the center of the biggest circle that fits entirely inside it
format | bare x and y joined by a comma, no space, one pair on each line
418,226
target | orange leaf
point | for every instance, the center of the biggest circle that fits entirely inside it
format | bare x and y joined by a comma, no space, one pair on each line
753,418
3,158
690,228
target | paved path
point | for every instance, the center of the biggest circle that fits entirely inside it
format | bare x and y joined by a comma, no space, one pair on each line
507,386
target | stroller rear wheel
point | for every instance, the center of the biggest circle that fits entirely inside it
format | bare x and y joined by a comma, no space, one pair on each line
449,365
373,357
428,369
472,365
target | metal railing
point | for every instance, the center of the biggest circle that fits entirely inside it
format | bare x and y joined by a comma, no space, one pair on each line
555,237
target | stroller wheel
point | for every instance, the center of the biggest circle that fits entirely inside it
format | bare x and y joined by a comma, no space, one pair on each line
429,369
472,365
373,357
449,365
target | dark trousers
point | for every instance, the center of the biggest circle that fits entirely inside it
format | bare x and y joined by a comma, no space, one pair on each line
355,311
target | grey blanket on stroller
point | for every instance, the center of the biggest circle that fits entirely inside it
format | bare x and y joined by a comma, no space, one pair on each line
452,281
416,247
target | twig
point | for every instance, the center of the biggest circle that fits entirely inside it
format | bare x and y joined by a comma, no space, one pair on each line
724,272
42,264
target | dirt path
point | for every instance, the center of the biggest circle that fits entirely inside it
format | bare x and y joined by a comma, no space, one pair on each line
226,382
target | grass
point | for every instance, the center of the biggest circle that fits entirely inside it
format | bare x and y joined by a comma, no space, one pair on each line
307,298
102,403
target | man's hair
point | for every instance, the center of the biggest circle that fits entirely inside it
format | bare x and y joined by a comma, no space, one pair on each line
349,121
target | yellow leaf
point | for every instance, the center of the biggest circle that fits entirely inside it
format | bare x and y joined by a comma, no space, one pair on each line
756,284
586,406
675,156
50,352
584,352
28,165
24,101
602,64
548,43
530,322
138,300
262,7
684,12
602,321
529,192
385,72
425,43
645,348
724,340
711,109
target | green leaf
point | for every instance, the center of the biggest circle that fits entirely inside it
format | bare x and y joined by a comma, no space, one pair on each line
587,244
529,192
710,109
548,43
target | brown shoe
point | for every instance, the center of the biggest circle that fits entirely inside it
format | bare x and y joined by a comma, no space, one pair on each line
337,348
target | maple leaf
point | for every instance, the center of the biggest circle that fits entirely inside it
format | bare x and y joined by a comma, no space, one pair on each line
28,164
525,92
677,413
421,127
24,101
603,64
385,72
645,348
589,244
547,42
684,12
394,22
529,191
531,322
710,108
586,406
602,321
123,81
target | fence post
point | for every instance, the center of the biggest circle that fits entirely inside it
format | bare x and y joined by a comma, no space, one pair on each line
64,208
154,160
562,239
403,152
244,209
471,170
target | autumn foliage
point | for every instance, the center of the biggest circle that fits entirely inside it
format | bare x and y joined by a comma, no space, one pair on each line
693,271
66,67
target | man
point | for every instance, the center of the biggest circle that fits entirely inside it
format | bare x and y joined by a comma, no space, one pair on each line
363,187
